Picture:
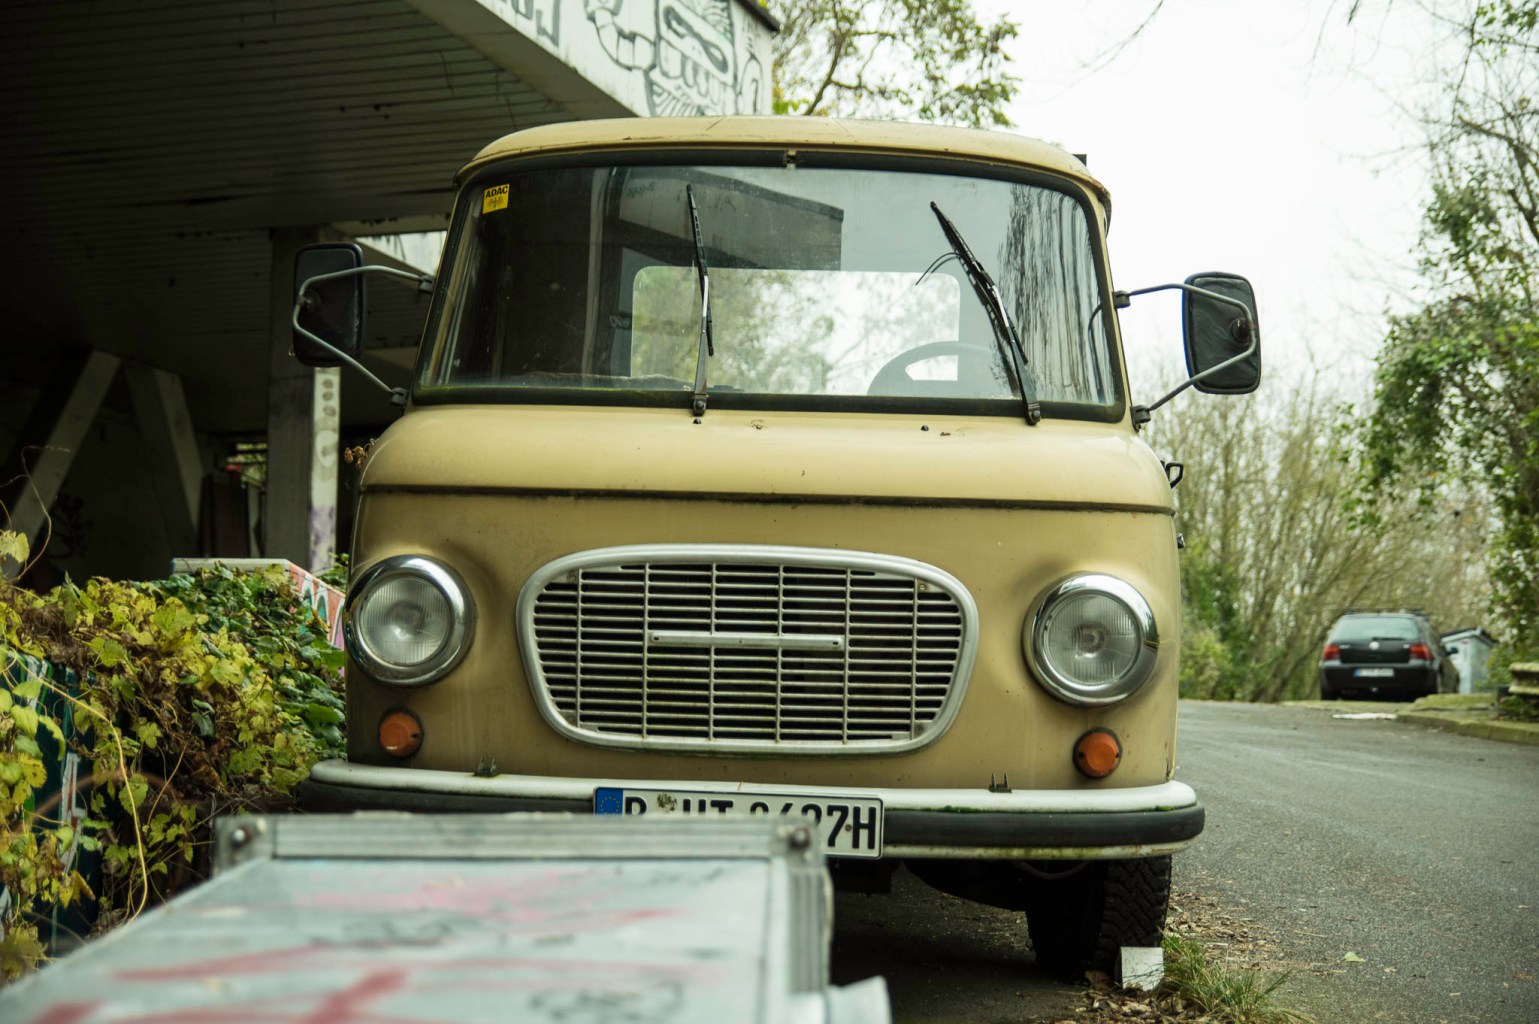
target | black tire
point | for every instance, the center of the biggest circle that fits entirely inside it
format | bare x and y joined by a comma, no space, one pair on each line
1081,923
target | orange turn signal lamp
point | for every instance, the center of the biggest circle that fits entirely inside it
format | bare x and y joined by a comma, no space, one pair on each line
1097,753
400,733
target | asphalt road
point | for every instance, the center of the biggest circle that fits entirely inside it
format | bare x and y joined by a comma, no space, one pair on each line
945,959
1415,850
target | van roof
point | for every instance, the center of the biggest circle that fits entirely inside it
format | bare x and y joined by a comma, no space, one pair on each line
893,137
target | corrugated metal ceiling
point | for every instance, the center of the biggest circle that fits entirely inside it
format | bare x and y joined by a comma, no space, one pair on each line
152,146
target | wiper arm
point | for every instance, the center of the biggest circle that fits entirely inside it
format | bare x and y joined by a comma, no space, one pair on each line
707,341
1004,330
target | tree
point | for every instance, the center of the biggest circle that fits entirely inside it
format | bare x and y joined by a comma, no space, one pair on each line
1456,401
1274,552
933,60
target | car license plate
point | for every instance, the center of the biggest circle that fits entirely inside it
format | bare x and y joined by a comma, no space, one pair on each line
1375,673
846,826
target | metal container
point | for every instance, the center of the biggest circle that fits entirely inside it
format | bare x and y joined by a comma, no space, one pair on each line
471,918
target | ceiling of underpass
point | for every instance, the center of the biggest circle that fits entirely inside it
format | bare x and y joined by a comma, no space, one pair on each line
152,147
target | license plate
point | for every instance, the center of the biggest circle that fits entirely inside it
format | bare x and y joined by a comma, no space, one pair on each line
846,826
1375,673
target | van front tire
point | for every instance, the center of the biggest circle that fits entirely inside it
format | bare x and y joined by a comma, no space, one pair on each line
1081,923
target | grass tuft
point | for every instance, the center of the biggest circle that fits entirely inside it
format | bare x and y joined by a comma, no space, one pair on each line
1220,994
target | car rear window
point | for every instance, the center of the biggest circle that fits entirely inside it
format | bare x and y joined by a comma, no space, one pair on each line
1375,627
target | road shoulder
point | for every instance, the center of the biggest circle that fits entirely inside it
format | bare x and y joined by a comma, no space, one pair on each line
1466,715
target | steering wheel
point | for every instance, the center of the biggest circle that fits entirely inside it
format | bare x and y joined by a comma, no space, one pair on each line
974,377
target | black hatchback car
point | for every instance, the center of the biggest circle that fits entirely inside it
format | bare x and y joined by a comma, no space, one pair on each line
1385,654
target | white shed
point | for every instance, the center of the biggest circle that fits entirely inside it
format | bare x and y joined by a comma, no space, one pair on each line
1471,649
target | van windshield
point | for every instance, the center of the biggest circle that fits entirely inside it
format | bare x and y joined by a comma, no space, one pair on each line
829,288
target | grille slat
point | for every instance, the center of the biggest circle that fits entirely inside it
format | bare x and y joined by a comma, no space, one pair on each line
905,634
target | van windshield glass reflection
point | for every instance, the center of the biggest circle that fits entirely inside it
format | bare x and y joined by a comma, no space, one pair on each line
825,284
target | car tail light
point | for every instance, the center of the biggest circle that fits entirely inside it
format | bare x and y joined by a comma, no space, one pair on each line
1332,652
1421,651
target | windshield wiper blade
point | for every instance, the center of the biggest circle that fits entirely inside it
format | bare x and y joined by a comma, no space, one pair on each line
707,341
1004,330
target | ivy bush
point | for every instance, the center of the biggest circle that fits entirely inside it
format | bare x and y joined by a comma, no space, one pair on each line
198,695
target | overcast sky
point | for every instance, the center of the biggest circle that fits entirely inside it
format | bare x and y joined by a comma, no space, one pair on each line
1259,138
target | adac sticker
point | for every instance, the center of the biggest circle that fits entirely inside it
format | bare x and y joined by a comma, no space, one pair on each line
495,198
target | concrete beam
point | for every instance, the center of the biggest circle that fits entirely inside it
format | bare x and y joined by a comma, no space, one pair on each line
48,470
175,464
534,38
398,225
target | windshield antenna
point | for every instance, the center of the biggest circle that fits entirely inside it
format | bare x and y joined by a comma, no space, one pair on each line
988,293
707,341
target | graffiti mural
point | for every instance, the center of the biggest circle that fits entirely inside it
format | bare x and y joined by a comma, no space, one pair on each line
537,18
63,798
689,52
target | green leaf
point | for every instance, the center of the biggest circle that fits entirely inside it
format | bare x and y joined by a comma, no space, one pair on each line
14,545
173,620
109,653
132,795
225,671
148,733
320,715
333,658
53,728
25,719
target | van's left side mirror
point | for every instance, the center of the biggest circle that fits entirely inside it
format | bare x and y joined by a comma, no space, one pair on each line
1217,332
332,309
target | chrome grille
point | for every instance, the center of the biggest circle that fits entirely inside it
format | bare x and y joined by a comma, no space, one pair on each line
691,648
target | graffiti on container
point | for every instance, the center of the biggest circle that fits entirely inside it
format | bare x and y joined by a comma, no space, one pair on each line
578,991
559,902
324,599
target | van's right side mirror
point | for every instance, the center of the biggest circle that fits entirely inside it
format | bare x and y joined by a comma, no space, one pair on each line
1217,331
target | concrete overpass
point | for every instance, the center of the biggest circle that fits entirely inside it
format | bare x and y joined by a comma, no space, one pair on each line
165,158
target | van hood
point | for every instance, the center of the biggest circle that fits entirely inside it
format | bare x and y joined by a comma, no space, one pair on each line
789,457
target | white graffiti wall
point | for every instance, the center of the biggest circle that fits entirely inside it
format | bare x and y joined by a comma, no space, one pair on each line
657,57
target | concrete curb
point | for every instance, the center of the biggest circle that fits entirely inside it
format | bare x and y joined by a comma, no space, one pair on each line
1481,726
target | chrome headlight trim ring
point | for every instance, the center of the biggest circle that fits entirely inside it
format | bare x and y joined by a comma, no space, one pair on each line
448,654
1071,691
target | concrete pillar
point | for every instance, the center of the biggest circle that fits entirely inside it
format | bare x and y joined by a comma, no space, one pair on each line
303,430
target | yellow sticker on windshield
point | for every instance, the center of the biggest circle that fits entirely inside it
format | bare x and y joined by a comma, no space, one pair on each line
494,199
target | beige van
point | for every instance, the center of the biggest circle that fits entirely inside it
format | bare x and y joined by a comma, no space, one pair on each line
784,466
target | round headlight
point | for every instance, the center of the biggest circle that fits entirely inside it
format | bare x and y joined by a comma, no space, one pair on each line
408,620
1092,639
